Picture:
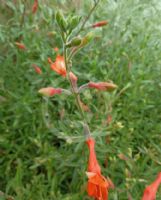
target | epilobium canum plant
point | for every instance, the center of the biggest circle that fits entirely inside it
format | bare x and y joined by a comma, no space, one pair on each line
73,39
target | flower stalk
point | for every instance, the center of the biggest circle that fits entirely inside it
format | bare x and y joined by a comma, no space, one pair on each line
73,89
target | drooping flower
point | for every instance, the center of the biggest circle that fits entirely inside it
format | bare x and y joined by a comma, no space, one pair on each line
59,65
50,91
98,185
99,24
102,86
35,6
37,69
151,190
20,45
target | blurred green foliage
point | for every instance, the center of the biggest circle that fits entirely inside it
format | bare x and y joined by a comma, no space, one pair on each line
42,150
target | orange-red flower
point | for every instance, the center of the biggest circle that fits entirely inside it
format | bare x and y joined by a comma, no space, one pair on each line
99,24
151,190
50,91
102,86
35,6
98,185
37,69
59,65
20,45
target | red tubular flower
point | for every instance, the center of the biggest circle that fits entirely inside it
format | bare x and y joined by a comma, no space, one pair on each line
99,24
20,45
98,185
59,65
102,86
151,190
50,91
35,6
37,69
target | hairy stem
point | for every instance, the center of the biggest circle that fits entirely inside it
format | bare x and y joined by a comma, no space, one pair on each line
76,95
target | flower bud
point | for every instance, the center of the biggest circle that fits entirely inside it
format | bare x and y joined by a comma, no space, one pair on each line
73,79
37,69
102,86
61,21
74,42
50,91
20,45
56,49
35,6
87,39
99,24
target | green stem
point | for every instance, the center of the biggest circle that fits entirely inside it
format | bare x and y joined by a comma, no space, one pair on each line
77,97
87,17
75,93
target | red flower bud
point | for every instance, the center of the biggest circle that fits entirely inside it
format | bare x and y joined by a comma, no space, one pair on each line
35,6
102,86
99,24
20,45
37,69
151,190
73,77
56,49
50,91
73,80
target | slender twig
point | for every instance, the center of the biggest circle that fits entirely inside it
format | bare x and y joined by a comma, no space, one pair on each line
87,17
76,94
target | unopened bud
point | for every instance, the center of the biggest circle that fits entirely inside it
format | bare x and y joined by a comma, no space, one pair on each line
102,86
37,69
61,21
35,6
20,45
50,91
73,79
87,39
99,24
74,42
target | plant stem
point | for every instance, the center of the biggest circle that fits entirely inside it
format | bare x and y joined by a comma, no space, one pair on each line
76,95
